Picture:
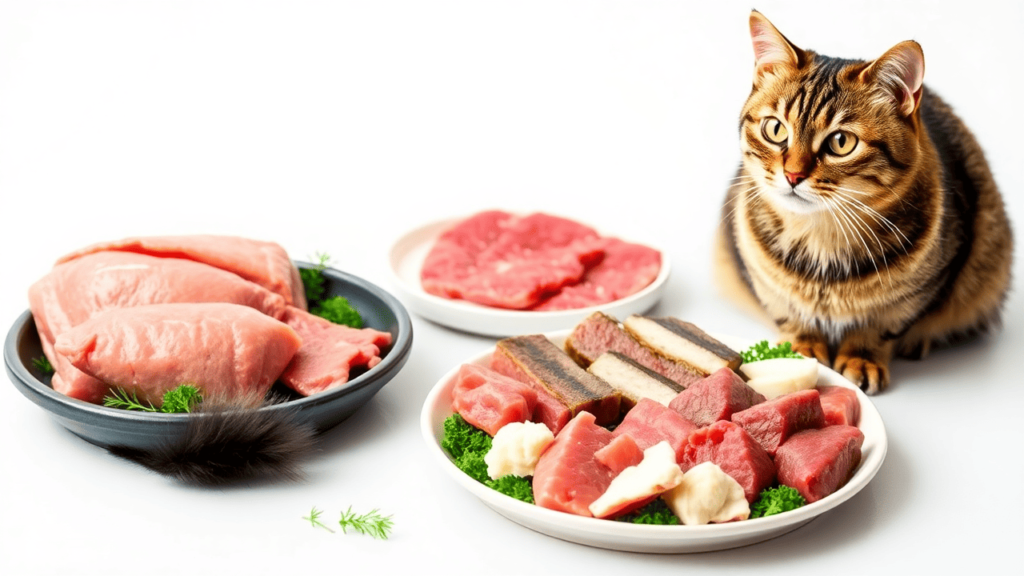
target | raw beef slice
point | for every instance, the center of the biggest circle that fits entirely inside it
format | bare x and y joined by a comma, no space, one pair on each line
714,398
735,452
499,259
489,400
625,270
819,462
264,263
621,453
771,423
225,350
329,352
568,477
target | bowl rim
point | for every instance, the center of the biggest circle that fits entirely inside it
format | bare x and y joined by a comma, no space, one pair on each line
65,406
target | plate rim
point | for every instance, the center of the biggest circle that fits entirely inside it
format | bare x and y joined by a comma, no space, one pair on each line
678,538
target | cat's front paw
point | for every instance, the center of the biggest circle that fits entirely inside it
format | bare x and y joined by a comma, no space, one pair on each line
872,377
811,347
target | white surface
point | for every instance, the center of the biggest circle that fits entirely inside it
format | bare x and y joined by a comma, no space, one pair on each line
337,126
650,539
406,258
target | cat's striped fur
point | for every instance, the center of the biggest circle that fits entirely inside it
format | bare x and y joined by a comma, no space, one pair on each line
899,244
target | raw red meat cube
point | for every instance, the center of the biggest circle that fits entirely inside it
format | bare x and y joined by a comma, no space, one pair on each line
735,452
771,423
650,422
819,462
568,477
715,397
840,405
620,454
489,400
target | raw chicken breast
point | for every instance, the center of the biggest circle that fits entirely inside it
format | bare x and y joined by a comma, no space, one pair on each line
224,349
264,263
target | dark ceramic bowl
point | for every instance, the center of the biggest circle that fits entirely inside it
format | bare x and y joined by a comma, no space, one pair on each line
108,427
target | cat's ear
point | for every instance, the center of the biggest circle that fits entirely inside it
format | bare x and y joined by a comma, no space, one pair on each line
899,73
771,49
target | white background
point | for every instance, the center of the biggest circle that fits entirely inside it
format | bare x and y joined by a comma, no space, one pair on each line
337,126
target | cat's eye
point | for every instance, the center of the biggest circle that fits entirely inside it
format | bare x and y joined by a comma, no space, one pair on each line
774,130
841,143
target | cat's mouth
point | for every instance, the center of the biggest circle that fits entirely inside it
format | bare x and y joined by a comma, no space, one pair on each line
796,200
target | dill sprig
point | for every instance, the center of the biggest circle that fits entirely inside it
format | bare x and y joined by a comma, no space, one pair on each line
314,520
371,523
42,363
313,279
175,401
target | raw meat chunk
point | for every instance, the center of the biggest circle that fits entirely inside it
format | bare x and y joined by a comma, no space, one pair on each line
568,477
625,270
819,462
329,352
224,349
600,333
735,452
499,259
714,398
771,423
489,400
649,423
840,405
621,453
536,361
264,263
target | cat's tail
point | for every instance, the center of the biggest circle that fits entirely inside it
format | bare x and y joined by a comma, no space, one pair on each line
230,442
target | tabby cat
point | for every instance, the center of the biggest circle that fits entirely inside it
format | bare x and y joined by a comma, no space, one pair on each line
864,218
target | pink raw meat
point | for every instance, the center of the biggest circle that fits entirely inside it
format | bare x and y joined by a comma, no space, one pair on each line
264,263
329,352
840,405
735,452
621,453
489,400
716,397
771,423
499,259
819,462
568,477
625,270
650,422
224,349
85,287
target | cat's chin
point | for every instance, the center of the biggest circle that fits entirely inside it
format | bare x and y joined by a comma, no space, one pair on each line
791,201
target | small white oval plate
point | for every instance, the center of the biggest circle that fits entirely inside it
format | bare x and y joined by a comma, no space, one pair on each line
406,258
645,538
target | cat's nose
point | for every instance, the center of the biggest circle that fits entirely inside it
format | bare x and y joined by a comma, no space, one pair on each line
795,178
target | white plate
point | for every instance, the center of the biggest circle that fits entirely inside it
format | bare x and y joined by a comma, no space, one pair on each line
407,256
645,538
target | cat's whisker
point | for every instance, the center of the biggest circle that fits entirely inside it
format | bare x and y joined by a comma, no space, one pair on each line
881,248
904,242
830,208
737,204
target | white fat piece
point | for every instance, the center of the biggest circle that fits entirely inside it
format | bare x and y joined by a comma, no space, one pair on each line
672,345
656,473
778,376
630,381
516,448
707,494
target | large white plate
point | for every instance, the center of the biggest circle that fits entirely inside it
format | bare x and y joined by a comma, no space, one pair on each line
406,259
646,538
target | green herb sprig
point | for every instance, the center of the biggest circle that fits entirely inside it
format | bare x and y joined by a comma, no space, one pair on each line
314,520
313,278
372,523
657,512
175,401
42,363
763,351
334,309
